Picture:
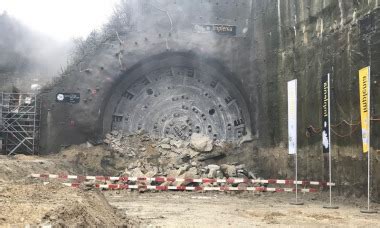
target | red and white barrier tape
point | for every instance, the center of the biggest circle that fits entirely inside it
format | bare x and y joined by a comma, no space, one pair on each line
190,188
190,180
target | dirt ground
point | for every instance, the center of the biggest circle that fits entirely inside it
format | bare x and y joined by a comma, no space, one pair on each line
25,201
185,209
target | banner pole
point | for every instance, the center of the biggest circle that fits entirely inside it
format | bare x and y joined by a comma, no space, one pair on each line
294,111
369,167
329,143
369,138
296,178
328,79
369,211
297,202
369,135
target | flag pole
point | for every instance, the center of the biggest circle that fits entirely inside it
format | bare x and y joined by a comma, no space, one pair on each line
294,110
296,202
330,206
369,211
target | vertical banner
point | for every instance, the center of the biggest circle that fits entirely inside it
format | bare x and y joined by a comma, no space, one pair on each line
364,106
326,134
326,113
292,116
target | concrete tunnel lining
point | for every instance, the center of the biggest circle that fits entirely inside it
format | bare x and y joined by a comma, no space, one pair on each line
178,94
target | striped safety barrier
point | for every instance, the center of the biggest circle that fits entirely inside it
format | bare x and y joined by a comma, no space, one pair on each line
191,188
189,180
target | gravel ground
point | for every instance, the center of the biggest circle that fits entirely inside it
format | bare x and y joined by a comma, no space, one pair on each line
219,209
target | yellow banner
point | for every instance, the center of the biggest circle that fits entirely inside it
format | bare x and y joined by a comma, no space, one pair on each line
364,88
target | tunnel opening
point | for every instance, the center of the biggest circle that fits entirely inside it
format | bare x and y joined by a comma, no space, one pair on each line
176,95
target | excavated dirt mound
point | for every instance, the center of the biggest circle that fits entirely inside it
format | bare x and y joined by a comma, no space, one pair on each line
57,205
18,167
26,201
95,160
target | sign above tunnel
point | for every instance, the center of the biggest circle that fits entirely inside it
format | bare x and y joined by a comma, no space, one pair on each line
72,98
229,30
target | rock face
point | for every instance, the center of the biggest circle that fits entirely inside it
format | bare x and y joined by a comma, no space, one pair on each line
201,143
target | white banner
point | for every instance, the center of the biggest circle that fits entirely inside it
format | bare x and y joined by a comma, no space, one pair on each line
292,116
326,114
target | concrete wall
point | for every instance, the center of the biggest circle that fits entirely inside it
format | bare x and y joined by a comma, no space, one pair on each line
305,40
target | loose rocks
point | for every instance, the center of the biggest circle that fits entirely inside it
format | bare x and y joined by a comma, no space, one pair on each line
173,158
201,143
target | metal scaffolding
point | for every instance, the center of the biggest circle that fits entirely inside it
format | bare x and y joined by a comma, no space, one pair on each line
19,122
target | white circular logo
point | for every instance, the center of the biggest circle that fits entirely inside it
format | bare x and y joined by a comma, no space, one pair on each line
60,97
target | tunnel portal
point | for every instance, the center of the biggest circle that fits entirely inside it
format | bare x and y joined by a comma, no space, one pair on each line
178,97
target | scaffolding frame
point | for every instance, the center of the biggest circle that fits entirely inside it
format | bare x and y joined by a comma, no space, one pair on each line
19,122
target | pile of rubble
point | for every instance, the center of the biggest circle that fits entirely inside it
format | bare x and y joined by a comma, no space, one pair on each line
171,157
